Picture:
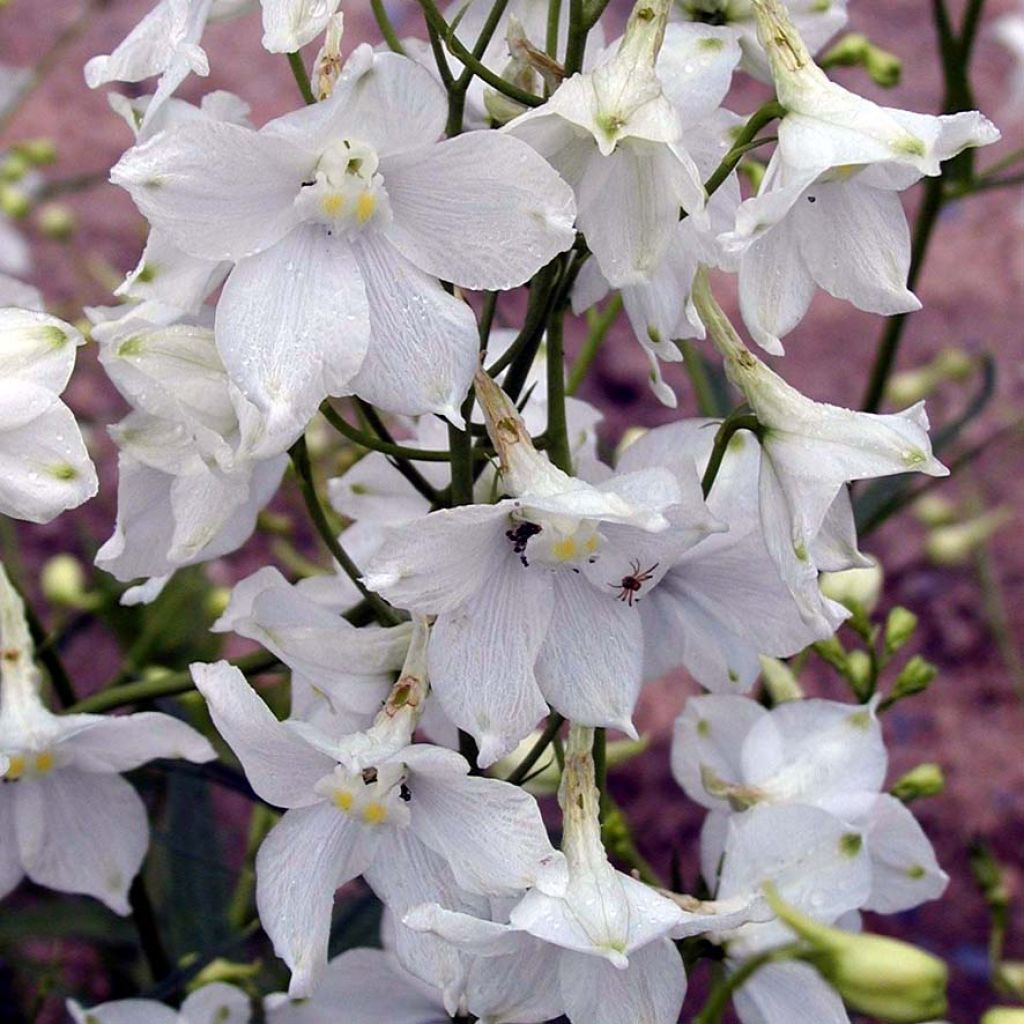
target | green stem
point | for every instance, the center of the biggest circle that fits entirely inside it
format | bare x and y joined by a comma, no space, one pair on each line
375,444
546,738
551,37
601,770
718,1001
576,46
387,30
533,323
697,370
461,444
47,653
169,684
301,76
557,428
474,66
144,917
299,453
599,323
740,419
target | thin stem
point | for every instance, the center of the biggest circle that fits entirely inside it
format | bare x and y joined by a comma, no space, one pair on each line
299,454
474,66
169,684
519,773
601,770
486,322
738,420
697,370
600,323
387,30
551,38
461,444
557,428
375,444
47,653
301,76
436,29
717,1002
144,917
533,323
576,45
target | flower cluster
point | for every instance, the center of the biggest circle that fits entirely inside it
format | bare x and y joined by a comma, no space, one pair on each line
494,572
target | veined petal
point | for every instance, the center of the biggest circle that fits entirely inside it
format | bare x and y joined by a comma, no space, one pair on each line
217,1003
308,854
289,24
482,210
293,326
782,993
282,768
424,344
37,348
82,833
118,743
219,191
695,66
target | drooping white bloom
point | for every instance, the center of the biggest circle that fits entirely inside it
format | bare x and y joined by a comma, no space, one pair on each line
530,598
216,1003
67,819
608,935
721,603
193,470
816,20
340,675
809,451
340,219
816,864
695,67
44,466
409,818
730,753
614,135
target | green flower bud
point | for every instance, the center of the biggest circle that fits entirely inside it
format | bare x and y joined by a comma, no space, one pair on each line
917,674
1008,978
882,977
56,221
227,971
779,679
14,167
856,589
216,601
62,581
856,50
37,151
860,671
954,545
925,780
1004,1015
832,652
14,202
899,628
935,510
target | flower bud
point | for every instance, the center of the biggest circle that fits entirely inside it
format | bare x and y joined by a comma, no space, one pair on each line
14,202
328,63
832,652
926,779
935,510
1004,1015
779,679
954,545
916,676
56,221
14,167
37,151
856,50
878,976
225,971
63,583
216,601
857,589
860,671
899,628
1008,977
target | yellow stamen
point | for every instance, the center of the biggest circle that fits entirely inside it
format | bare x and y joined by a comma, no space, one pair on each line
343,800
333,203
374,813
45,762
16,767
366,204
563,550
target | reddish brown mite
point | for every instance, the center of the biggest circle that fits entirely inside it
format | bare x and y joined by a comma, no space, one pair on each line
629,586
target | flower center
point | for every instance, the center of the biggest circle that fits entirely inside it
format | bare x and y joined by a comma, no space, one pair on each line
25,764
554,541
346,192
373,796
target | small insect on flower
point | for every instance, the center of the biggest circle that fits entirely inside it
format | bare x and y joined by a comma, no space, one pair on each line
520,537
629,586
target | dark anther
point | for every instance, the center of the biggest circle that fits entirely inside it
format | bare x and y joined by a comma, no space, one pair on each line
369,776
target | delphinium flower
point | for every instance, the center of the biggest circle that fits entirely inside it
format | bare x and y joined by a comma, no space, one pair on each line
67,819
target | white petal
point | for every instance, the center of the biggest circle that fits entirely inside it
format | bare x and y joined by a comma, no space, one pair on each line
308,854
482,210
424,345
280,767
37,348
82,833
786,992
695,66
589,668
124,1011
293,326
219,191
905,872
651,989
217,1003
11,872
118,743
289,24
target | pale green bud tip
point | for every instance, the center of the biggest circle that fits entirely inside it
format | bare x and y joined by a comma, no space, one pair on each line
782,684
1004,1015
917,674
221,970
1009,978
857,589
37,151
57,221
859,670
954,544
935,510
884,978
925,780
14,202
217,601
899,628
62,581
14,167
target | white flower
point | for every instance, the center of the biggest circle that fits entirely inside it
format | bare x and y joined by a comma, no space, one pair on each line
289,24
411,820
340,218
44,466
809,450
721,603
216,1003
535,596
193,471
613,134
729,752
67,818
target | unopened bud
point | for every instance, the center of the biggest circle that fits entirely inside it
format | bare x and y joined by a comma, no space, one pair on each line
988,876
1008,977
899,628
14,167
216,601
954,545
56,221
224,971
860,671
14,202
630,435
1004,1015
878,976
327,66
782,684
856,50
754,171
916,676
857,589
37,151
951,364
925,780
62,581
832,652
935,510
